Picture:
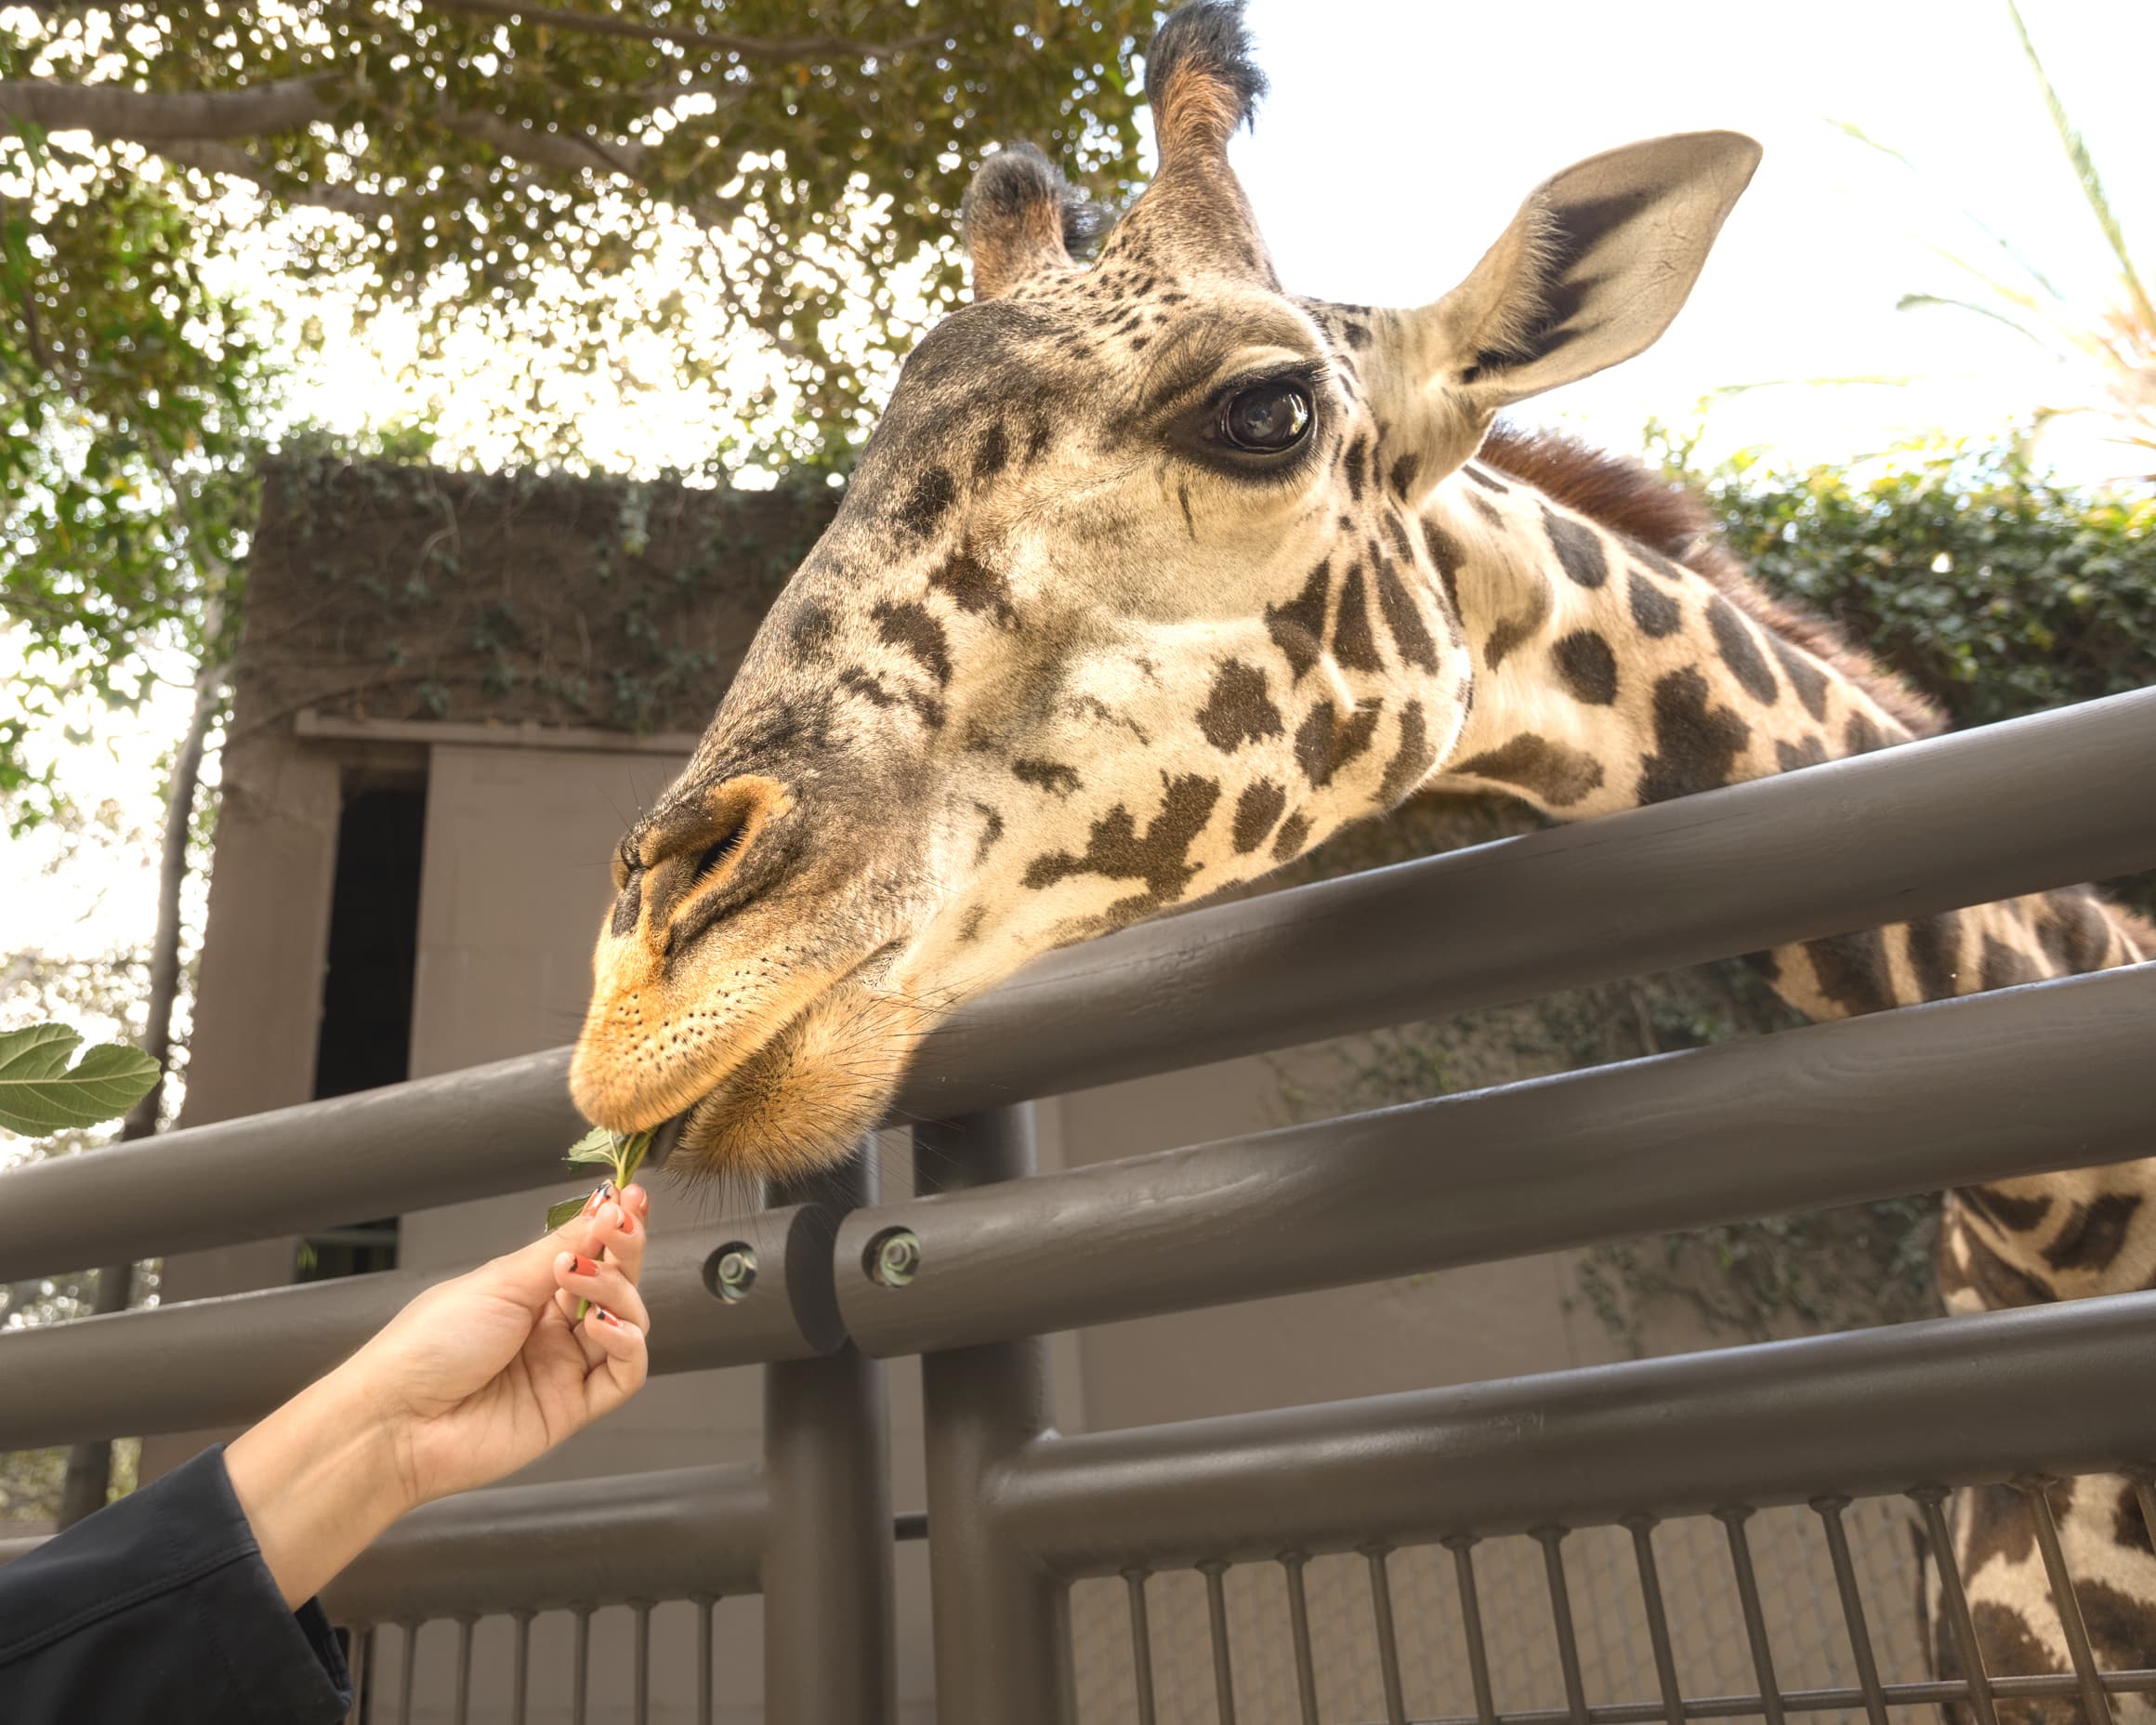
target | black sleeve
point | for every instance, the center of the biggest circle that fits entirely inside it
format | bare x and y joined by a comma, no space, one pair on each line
158,1608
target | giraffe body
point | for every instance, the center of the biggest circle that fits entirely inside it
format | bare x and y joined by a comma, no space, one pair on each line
1154,576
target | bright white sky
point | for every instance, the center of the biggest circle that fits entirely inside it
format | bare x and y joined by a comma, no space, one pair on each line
1399,138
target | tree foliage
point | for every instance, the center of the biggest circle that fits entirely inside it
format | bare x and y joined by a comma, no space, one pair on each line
520,164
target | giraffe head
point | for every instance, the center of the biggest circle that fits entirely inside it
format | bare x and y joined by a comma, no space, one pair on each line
1129,601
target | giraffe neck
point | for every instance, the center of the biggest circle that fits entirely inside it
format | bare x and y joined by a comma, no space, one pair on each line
1607,676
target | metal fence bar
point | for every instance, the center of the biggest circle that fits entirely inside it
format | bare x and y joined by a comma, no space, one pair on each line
1388,1635
464,1656
1141,1645
830,1635
411,1649
1954,1602
1837,1536
580,1677
1001,1624
227,1361
1861,1413
1552,1540
1852,843
520,1671
1462,1547
1733,1522
361,1657
1299,1635
2095,1708
705,1603
1641,1528
541,1547
1977,1089
1217,1627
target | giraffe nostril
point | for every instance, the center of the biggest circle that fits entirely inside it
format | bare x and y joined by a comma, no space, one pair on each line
716,854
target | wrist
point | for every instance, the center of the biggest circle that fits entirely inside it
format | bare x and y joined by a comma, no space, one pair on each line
318,1479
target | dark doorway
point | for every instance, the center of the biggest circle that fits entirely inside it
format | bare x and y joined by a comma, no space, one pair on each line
366,996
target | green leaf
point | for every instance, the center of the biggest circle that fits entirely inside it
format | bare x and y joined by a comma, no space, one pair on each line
38,1094
568,1210
596,1145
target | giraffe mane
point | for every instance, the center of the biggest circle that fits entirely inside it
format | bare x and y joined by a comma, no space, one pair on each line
1628,497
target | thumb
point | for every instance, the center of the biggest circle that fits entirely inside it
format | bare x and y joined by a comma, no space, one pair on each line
526,1275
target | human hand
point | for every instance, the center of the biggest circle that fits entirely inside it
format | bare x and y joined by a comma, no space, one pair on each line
474,1378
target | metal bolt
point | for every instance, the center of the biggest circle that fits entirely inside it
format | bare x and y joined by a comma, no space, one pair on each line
894,1258
732,1272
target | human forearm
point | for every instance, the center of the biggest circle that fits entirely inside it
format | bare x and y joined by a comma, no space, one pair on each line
318,1479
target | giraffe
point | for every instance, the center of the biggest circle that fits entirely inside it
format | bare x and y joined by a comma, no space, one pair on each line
1153,575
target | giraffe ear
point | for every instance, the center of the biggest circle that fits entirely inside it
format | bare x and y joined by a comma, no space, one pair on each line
1593,268
1022,216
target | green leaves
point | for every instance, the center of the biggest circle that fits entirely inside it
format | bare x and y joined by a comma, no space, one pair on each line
39,1094
620,1152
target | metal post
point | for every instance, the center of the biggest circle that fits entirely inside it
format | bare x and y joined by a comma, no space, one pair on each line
1003,1624
829,1641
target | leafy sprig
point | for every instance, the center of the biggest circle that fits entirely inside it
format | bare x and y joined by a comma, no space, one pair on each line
622,1151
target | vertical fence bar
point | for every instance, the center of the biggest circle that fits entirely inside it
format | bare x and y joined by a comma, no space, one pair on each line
363,1652
1002,1626
1641,1528
1299,1633
1830,1514
580,1676
1552,1540
1142,1645
1733,1522
404,1677
1954,1602
704,1602
2096,1703
830,1643
1388,1640
1462,1547
1216,1623
640,1707
464,1646
520,1672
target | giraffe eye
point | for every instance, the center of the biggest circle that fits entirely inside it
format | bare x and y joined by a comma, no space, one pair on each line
1267,417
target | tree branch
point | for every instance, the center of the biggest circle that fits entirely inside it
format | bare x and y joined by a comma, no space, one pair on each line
573,153
226,159
780,50
157,116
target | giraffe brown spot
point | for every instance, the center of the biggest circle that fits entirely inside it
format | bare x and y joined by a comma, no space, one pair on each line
1238,710
1290,841
1297,628
1696,746
991,830
2005,966
1403,622
909,627
2004,1210
1861,736
1325,741
2075,932
1484,479
1935,951
975,588
1050,776
1740,650
928,503
2120,1633
1404,470
1511,631
1674,573
1655,612
1358,454
1411,761
1255,811
1806,751
812,631
1557,773
969,924
1999,1283
1804,676
1578,548
1487,510
2093,1233
2009,1648
1586,668
1999,1529
1159,857
1447,555
869,687
2129,1526
1353,646
993,454
1852,971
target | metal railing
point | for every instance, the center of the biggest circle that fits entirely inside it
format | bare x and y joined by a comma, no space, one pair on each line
997,1256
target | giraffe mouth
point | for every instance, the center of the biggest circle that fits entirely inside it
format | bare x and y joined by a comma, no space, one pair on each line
803,1099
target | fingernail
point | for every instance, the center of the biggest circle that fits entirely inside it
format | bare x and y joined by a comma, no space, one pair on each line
584,1266
628,1223
607,1317
640,1198
604,1191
